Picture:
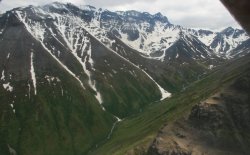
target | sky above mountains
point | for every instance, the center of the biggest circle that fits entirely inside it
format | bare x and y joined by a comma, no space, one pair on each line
209,14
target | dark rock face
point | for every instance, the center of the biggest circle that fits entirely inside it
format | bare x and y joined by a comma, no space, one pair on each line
220,42
158,16
131,31
228,31
207,117
169,147
189,48
204,32
241,50
217,126
230,109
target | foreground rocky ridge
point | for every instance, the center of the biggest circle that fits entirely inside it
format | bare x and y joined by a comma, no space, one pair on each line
217,126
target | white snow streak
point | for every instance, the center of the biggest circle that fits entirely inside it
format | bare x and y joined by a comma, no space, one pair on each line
92,83
12,107
62,92
29,89
177,55
3,77
71,73
211,66
8,56
164,94
74,39
117,118
32,72
207,39
51,79
39,37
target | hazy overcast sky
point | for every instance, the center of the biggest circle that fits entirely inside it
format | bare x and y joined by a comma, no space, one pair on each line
189,13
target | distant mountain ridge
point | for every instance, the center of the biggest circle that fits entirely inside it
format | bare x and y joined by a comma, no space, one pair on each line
154,33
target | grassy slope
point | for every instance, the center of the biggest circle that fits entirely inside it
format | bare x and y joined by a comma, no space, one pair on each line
50,122
139,131
46,124
124,88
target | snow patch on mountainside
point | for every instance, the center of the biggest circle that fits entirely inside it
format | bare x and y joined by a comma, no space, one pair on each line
87,7
73,35
103,40
32,72
3,76
165,94
91,82
8,87
58,5
8,56
12,107
207,39
155,34
37,31
29,88
51,79
71,73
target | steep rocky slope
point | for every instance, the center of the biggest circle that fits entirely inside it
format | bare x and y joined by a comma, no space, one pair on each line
218,125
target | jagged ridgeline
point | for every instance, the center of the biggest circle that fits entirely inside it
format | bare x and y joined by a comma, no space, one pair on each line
69,74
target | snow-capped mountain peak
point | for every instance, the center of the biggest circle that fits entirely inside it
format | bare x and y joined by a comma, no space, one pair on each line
149,34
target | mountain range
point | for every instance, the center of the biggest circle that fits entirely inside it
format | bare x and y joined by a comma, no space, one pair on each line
70,74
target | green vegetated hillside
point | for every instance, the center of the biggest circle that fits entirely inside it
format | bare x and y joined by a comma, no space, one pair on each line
62,118
47,104
135,134
125,89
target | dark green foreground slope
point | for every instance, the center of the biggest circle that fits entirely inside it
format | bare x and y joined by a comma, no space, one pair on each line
62,118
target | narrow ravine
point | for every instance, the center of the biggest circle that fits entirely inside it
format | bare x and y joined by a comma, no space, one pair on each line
113,127
118,120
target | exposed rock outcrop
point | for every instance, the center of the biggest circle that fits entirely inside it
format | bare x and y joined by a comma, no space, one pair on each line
219,125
